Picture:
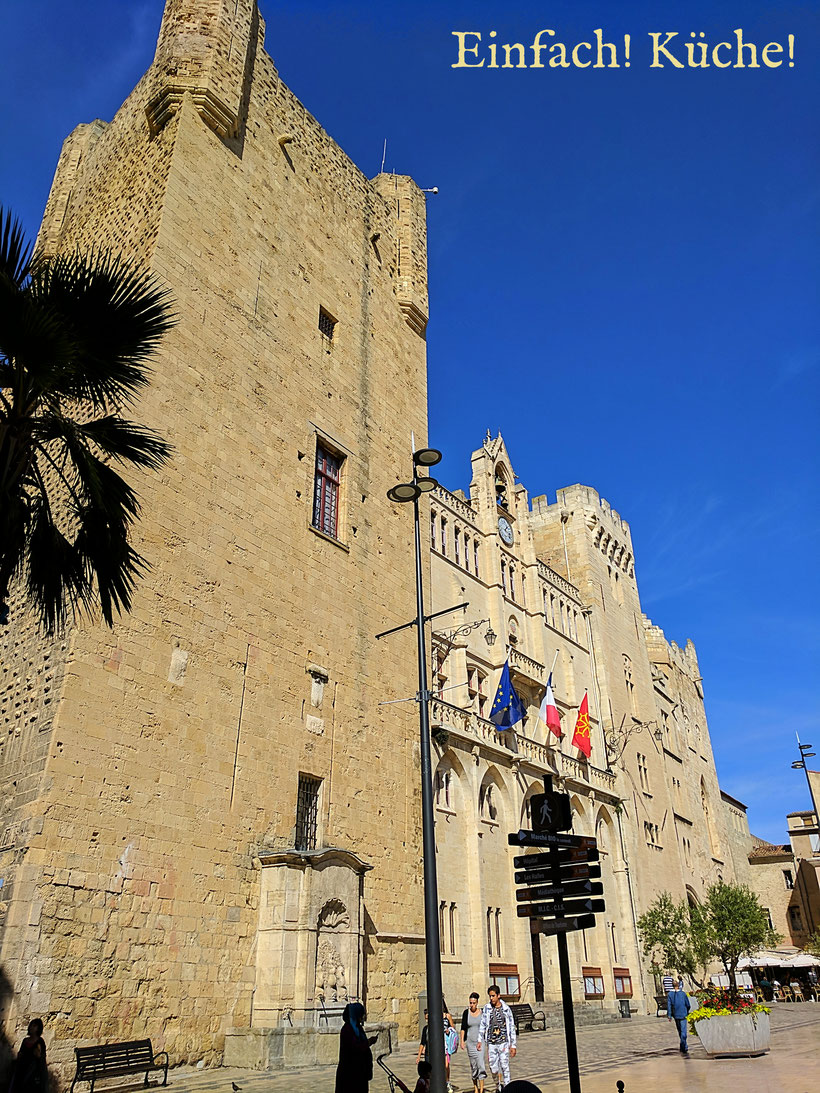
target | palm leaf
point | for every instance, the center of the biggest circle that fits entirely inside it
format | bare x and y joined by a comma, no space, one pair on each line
115,564
15,252
127,441
116,316
57,578
76,338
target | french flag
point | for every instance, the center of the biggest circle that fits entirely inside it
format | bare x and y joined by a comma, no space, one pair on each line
549,711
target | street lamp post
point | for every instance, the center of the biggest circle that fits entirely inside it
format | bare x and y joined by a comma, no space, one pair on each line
807,753
402,493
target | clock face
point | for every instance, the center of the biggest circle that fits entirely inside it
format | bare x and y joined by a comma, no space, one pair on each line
505,530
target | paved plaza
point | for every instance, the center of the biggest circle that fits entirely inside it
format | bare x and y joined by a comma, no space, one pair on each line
641,1052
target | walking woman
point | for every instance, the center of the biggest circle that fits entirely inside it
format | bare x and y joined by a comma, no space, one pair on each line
470,1023
30,1071
355,1070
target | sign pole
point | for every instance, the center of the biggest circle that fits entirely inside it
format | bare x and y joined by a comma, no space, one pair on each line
569,1015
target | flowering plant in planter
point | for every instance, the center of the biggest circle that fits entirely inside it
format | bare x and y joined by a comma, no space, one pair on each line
720,1004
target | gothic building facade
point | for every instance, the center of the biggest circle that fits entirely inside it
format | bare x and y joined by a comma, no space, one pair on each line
556,583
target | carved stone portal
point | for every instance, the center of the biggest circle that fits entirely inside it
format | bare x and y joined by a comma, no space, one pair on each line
311,933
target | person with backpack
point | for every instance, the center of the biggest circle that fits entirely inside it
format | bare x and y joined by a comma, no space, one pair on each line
470,1024
450,1042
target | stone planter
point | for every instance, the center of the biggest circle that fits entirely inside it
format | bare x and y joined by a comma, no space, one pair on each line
735,1034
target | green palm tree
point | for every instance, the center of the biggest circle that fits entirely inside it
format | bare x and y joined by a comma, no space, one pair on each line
76,335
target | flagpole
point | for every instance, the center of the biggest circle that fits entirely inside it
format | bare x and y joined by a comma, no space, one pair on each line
552,669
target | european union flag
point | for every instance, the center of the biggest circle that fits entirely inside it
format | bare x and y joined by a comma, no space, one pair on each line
507,709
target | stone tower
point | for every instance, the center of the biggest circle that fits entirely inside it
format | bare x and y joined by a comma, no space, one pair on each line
649,693
206,817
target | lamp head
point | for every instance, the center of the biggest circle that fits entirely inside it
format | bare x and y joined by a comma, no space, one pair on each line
490,636
426,457
404,491
426,484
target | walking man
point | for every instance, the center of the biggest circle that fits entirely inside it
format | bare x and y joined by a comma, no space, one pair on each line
668,983
677,1008
497,1031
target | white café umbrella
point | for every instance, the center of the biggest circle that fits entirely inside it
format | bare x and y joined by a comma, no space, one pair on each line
804,960
763,960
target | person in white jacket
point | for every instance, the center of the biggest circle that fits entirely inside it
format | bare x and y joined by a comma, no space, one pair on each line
497,1031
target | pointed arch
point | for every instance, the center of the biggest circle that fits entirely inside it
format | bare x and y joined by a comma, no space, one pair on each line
714,845
450,782
493,799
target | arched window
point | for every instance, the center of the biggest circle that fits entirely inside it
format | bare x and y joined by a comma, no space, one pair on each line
501,486
487,802
710,826
630,686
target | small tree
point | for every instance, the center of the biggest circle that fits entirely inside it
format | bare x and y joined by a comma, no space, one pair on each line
729,925
670,940
812,944
736,926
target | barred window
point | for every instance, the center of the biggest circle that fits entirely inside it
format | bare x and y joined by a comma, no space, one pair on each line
307,812
326,491
327,324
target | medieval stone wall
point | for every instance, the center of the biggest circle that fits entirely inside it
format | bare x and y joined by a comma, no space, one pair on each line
250,657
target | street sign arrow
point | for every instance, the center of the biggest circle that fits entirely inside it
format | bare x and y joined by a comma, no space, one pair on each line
556,858
567,891
560,908
535,838
562,925
568,873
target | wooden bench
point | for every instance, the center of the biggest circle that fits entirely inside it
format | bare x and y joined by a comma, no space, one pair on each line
524,1017
115,1060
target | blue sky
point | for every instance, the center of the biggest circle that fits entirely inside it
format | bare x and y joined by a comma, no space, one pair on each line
623,280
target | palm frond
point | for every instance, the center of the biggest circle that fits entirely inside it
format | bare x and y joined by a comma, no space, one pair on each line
88,480
15,251
127,441
57,576
36,350
76,337
116,315
113,561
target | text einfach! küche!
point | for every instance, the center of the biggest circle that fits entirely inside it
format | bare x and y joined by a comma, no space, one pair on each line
667,49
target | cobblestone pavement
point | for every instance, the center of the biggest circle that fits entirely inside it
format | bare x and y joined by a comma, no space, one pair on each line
642,1052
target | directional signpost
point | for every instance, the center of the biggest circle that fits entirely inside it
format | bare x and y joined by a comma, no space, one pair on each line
559,886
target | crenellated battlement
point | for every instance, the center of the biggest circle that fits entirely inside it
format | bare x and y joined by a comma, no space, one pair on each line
662,650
